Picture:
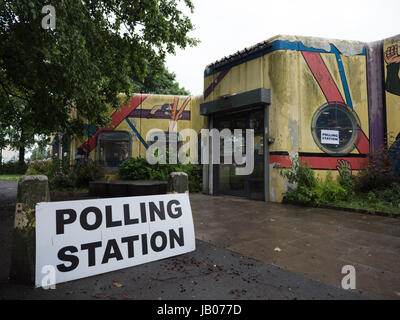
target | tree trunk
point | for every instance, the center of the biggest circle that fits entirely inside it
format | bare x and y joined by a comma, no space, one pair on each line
21,155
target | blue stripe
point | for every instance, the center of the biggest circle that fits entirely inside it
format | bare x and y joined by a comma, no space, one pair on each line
276,45
342,75
137,133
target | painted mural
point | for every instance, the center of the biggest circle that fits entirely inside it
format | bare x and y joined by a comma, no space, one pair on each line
322,106
130,125
392,60
319,107
391,55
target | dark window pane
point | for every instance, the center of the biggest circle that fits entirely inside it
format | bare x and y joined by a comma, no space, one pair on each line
114,148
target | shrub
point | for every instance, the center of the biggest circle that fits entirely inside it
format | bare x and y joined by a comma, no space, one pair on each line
13,167
375,188
378,174
39,167
61,180
139,169
329,191
195,175
85,171
304,182
135,169
389,195
346,179
309,189
62,175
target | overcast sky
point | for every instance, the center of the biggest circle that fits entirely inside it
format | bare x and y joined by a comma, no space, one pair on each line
226,26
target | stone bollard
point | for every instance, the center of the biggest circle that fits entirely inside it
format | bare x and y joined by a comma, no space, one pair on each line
31,190
178,182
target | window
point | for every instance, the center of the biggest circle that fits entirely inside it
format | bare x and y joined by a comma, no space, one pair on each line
114,148
335,128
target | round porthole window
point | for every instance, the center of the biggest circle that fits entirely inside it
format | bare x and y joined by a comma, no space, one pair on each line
335,128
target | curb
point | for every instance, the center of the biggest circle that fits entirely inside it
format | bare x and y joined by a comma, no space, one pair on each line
325,206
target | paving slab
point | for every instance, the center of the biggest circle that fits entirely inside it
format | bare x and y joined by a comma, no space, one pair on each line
315,242
210,272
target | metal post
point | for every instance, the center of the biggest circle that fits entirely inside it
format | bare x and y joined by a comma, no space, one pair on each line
266,154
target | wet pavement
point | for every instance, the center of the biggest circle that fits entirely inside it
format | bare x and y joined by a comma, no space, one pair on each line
310,241
245,250
210,272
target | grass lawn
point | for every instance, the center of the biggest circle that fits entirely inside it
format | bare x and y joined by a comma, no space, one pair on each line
371,206
14,177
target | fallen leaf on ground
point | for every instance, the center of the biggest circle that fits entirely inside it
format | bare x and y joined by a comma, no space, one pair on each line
117,284
277,249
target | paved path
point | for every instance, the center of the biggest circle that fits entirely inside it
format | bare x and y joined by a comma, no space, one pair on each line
8,193
313,242
209,272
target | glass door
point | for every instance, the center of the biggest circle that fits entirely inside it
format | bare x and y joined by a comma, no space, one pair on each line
226,181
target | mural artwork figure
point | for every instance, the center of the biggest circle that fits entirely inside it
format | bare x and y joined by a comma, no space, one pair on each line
170,110
392,59
344,168
166,108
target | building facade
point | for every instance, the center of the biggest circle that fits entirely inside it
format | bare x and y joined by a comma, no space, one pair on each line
328,102
130,132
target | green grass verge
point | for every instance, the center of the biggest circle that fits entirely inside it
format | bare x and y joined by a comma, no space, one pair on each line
11,177
372,207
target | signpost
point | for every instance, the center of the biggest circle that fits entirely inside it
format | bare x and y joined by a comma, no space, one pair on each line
84,238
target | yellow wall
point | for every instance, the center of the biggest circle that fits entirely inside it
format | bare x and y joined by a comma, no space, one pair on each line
296,95
145,125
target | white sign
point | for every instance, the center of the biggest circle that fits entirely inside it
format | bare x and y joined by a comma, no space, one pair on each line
88,237
329,136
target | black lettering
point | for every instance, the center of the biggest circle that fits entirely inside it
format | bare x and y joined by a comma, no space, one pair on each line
61,221
159,211
127,218
83,218
69,258
143,212
130,241
178,210
145,249
112,251
179,239
91,248
153,241
109,221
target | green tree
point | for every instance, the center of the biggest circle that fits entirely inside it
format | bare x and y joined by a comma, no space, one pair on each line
50,80
40,152
159,80
3,142
18,128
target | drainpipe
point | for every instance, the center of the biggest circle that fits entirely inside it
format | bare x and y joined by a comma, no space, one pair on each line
375,92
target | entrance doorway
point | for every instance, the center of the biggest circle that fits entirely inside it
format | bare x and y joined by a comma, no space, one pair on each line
226,181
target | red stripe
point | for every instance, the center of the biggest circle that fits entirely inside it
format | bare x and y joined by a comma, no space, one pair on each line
319,162
323,76
284,161
331,91
116,118
362,142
